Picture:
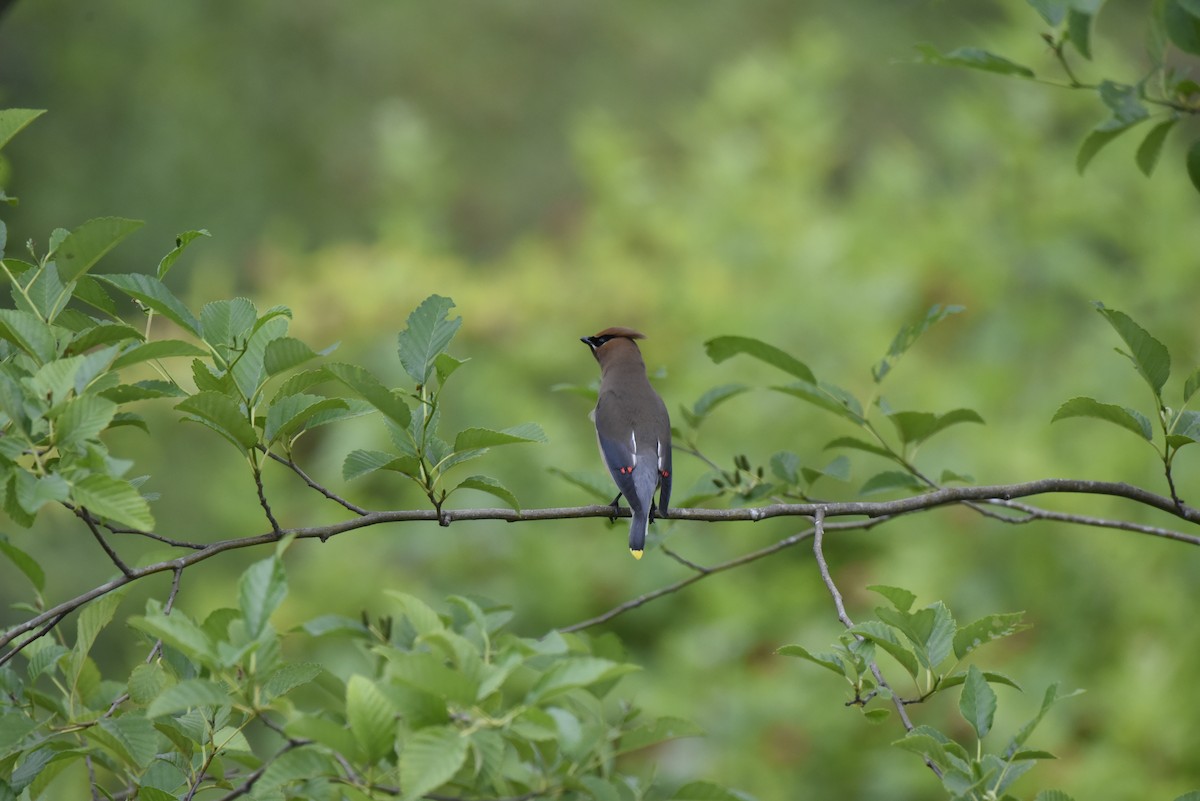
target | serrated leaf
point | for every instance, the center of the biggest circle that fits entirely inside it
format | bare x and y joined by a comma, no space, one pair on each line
284,353
360,462
890,480
1194,795
721,348
291,413
421,615
916,427
147,682
154,294
181,243
158,349
84,246
372,718
12,120
428,333
711,400
786,467
25,563
472,438
1054,795
901,598
142,390
430,758
973,58
220,413
114,499
228,322
885,637
1049,699
136,737
445,365
828,661
1151,147
657,731
368,387
288,677
94,617
189,694
45,292
1149,356
575,672
180,633
492,487
826,396
1129,419
985,630
82,419
977,702
261,588
908,335
925,746
28,333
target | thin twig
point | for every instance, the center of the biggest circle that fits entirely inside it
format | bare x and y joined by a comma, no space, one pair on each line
685,562
745,559
90,521
295,468
818,552
251,778
195,546
262,499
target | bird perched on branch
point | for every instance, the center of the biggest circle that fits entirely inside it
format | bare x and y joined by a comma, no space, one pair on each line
633,428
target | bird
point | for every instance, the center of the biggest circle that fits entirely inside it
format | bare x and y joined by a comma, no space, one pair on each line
633,429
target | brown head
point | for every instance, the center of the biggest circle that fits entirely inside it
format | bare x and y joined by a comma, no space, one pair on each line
611,341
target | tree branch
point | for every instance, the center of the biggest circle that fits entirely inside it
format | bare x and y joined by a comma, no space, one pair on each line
90,521
295,468
872,510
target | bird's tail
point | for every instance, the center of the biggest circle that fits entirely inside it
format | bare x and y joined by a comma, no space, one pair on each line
637,531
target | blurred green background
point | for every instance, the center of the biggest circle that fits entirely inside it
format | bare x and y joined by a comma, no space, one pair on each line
772,169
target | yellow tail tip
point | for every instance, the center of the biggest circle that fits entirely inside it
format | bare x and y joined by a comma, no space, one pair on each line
636,554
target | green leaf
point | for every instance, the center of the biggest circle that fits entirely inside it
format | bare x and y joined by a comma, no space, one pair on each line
189,694
890,480
373,392
596,486
926,746
1194,795
973,58
25,563
1151,147
430,758
709,401
445,365
916,427
360,462
84,246
859,445
181,243
289,414
471,438
575,672
260,591
12,120
828,397
884,636
372,718
1052,11
135,737
908,335
785,466
1183,28
1149,356
492,487
114,499
28,333
977,702
657,731
82,419
1050,698
146,682
428,333
285,353
706,791
901,598
94,617
1128,419
158,349
1055,795
1191,385
1193,164
1101,135
46,293
721,348
985,630
828,661
288,677
180,633
153,294
228,322
220,413
1079,27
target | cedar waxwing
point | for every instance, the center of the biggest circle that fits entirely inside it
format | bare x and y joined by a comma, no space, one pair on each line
633,429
